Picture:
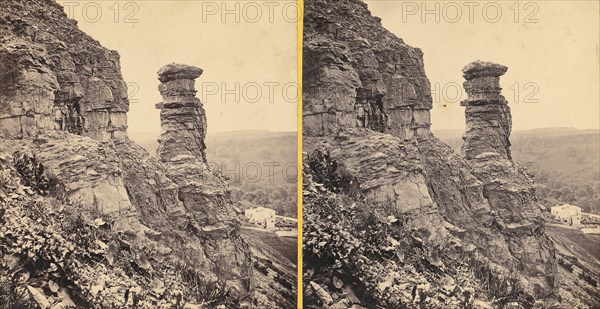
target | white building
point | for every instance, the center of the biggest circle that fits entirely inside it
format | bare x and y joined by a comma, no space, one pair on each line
590,218
566,213
261,216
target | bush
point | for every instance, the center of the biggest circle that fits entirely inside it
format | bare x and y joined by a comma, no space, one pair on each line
56,252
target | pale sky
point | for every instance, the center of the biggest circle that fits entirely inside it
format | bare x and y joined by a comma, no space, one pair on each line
551,49
258,53
554,60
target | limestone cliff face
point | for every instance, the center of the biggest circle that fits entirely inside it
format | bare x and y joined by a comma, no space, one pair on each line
68,81
481,203
63,103
358,74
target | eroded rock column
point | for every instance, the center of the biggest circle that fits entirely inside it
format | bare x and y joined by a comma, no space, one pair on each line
203,192
515,211
487,113
182,117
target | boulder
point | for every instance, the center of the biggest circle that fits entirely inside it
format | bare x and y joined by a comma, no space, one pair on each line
477,69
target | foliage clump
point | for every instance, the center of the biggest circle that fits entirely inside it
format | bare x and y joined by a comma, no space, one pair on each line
358,251
57,254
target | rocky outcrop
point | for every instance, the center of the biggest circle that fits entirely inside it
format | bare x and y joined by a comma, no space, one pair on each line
28,90
436,192
203,192
88,170
508,188
391,171
486,111
357,74
80,87
182,118
182,149
162,230
481,205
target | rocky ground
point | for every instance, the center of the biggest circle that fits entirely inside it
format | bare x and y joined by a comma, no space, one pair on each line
579,263
58,254
89,218
394,218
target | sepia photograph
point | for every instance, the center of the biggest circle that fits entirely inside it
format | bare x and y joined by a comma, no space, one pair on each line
361,154
148,154
451,154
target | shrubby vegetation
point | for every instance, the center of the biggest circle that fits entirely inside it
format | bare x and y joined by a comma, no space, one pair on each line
565,165
56,254
272,152
281,198
553,188
563,161
357,251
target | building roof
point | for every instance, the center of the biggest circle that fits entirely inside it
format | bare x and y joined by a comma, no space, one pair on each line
565,206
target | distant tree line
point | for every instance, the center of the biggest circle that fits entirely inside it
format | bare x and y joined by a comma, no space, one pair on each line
554,188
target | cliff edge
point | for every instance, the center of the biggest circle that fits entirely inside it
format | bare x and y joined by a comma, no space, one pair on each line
88,218
392,216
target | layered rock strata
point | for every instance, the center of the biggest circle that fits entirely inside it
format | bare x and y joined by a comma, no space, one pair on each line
482,204
486,111
63,103
74,84
202,191
27,91
182,117
359,75
89,172
507,187
182,149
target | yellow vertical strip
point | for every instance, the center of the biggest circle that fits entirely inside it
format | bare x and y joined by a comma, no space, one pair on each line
300,33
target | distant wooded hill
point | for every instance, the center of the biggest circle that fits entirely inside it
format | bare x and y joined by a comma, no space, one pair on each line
565,161
261,165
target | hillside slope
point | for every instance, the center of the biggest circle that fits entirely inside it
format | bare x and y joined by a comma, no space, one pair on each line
563,161
89,218
261,166
393,217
